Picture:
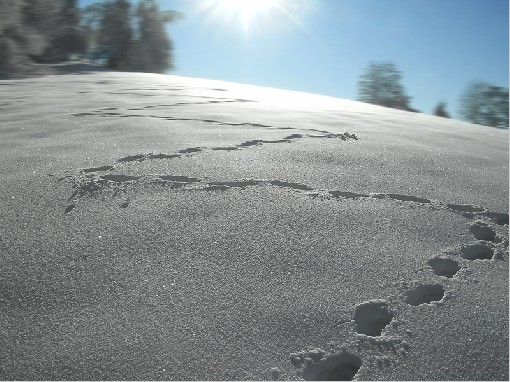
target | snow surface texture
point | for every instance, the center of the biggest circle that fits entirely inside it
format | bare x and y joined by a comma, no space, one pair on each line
168,228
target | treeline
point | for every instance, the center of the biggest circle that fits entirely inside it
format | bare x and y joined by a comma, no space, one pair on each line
482,103
50,31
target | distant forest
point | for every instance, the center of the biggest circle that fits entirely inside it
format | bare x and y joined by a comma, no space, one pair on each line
113,33
121,36
482,103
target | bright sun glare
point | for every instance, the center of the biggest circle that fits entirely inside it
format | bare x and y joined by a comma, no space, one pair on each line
247,7
246,12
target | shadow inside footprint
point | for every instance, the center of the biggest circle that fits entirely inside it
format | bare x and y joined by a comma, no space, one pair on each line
477,252
424,294
371,317
338,367
482,231
444,267
119,178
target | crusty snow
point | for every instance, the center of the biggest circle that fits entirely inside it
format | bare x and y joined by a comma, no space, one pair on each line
167,228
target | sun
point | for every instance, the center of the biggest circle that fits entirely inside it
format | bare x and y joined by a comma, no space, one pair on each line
248,7
245,12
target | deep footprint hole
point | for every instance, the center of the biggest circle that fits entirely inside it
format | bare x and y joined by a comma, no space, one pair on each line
424,294
372,317
444,267
477,252
338,367
482,231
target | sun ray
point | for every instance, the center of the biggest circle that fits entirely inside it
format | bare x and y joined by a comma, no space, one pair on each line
247,13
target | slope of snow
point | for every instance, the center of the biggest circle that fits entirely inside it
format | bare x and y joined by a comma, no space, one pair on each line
169,228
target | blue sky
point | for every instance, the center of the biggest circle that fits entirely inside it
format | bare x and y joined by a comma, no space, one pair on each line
323,46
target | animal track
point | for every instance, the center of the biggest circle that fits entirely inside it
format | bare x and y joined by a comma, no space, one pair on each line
407,198
319,367
465,207
295,186
69,208
239,184
477,252
179,179
337,367
424,294
444,267
498,217
349,195
228,148
372,317
190,150
98,169
132,158
119,178
482,231
324,133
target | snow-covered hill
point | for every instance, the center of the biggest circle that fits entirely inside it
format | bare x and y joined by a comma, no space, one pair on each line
168,228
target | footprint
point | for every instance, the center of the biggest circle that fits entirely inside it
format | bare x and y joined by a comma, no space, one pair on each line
498,217
444,267
177,178
408,198
95,169
132,158
120,178
372,317
69,208
216,188
482,231
238,184
337,367
424,294
254,142
190,150
162,156
295,186
226,148
294,136
81,114
464,207
477,252
351,195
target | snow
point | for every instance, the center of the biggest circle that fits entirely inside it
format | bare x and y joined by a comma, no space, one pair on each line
168,228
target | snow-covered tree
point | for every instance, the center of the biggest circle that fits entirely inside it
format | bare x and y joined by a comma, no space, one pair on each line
153,51
115,33
26,27
380,85
440,110
485,104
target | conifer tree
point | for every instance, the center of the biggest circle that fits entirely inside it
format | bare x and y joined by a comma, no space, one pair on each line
440,110
25,32
485,104
380,85
115,33
154,48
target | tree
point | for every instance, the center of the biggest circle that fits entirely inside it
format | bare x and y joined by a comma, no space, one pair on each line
380,85
485,104
153,49
440,110
68,36
71,38
115,33
25,31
